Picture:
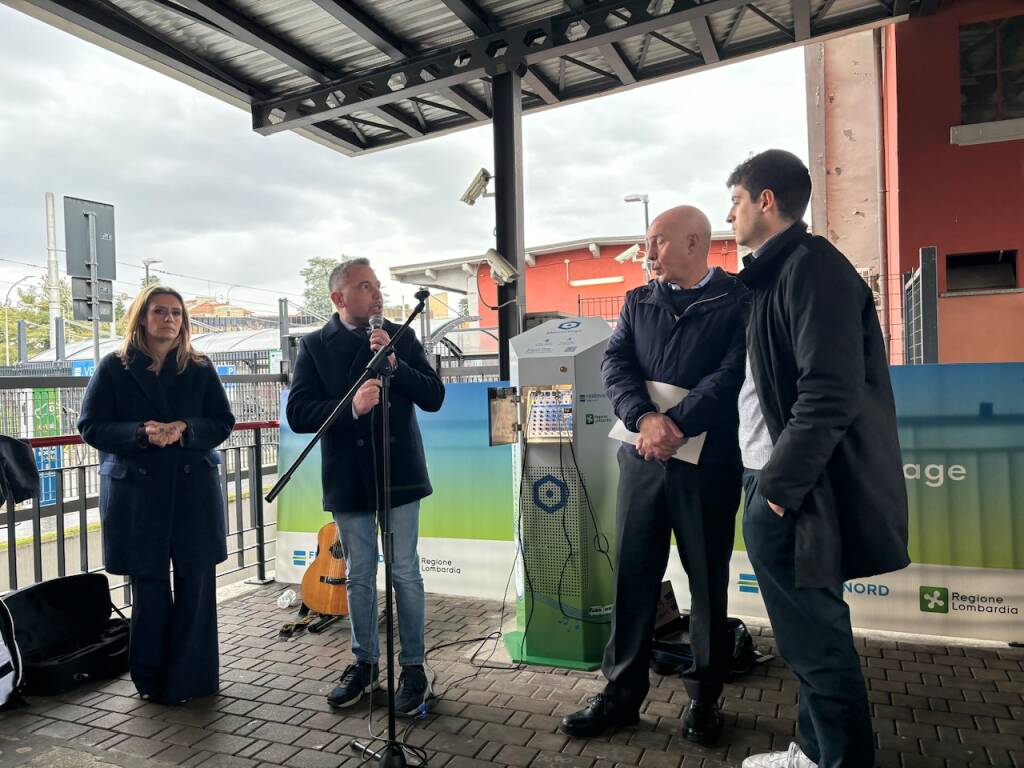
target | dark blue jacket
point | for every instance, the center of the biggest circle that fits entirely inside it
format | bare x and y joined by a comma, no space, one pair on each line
702,351
155,502
329,363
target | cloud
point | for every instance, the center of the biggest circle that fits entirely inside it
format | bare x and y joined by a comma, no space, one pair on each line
194,186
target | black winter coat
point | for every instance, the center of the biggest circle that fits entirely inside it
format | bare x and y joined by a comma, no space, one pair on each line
158,503
329,363
822,379
702,351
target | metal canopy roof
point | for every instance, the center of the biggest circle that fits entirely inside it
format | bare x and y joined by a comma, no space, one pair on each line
362,76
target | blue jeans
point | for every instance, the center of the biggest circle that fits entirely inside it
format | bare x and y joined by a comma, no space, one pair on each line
359,543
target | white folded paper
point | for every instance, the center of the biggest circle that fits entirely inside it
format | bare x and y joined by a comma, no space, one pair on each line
666,397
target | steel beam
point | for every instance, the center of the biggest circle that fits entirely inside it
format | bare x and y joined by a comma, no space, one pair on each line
610,52
801,19
735,27
591,68
508,207
381,38
773,21
337,136
465,101
494,54
112,26
398,119
618,62
539,84
706,40
471,15
824,10
366,27
246,30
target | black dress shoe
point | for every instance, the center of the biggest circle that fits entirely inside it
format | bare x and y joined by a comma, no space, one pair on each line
601,714
702,723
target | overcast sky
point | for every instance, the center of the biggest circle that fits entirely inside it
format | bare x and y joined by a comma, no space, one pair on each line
194,186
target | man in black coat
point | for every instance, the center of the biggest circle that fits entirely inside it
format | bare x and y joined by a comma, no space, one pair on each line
683,328
825,495
328,364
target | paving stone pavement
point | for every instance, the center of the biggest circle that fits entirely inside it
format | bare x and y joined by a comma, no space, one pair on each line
934,706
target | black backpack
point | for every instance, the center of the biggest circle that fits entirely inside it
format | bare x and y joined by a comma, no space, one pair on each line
672,655
66,633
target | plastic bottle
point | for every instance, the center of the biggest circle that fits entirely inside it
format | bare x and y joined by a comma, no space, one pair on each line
286,598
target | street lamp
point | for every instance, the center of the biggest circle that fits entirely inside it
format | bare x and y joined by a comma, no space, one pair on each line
150,260
7,338
642,198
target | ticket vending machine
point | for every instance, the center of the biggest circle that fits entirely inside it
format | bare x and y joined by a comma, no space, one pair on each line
564,480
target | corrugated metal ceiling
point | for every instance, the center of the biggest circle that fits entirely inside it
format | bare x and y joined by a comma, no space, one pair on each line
251,51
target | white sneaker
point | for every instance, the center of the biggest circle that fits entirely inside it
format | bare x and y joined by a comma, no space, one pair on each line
793,757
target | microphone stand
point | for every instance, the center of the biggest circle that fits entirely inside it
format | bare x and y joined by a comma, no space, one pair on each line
392,754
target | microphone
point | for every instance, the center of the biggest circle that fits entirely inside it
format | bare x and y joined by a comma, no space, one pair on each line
376,322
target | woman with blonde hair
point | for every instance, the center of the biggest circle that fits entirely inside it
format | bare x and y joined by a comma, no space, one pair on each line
156,411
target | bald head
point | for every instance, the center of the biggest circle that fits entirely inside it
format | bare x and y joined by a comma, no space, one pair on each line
685,220
677,245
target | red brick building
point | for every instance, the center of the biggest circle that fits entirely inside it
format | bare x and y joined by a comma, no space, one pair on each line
579,277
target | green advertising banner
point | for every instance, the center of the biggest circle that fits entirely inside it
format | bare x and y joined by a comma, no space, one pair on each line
962,435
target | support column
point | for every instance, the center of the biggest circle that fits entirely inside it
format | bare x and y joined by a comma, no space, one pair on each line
508,207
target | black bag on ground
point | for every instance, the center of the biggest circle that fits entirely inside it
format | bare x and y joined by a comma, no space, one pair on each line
671,655
66,633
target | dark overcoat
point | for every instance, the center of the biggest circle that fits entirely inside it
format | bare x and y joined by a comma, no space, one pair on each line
156,503
700,350
330,361
822,378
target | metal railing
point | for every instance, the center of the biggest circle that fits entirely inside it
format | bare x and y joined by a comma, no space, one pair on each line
607,307
57,532
466,368
44,527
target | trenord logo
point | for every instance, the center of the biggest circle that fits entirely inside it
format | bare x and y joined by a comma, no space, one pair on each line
748,583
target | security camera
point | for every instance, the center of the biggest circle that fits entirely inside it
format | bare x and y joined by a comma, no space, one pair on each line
477,188
501,270
629,254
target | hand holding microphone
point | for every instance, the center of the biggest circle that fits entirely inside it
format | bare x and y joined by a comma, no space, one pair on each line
379,337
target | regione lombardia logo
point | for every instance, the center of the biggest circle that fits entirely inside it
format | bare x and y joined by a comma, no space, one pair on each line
935,599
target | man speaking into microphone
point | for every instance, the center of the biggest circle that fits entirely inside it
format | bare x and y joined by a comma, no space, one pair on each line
329,363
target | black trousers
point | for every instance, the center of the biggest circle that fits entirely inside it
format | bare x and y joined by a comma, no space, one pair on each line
812,629
174,653
698,504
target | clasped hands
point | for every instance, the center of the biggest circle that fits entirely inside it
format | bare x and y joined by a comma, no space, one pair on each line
659,437
162,434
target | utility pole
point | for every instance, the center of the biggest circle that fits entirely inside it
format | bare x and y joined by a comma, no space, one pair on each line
52,275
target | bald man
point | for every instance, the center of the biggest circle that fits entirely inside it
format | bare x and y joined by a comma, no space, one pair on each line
684,328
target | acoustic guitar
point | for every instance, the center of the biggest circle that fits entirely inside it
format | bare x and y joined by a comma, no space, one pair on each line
323,583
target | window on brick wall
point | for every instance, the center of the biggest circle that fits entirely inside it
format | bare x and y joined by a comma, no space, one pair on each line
985,271
992,71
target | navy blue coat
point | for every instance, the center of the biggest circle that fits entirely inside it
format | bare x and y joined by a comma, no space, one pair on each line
702,351
158,503
329,363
